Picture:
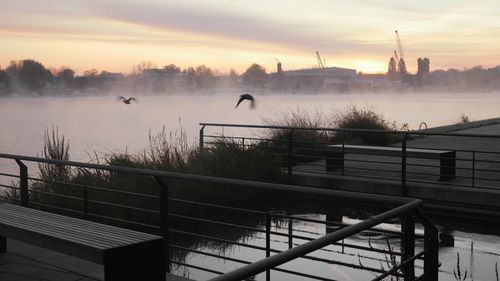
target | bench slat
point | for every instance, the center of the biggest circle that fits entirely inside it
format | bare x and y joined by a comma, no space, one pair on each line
390,150
125,254
72,229
78,222
53,225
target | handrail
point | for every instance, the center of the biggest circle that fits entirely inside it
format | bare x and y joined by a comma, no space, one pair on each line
301,250
350,130
402,207
211,179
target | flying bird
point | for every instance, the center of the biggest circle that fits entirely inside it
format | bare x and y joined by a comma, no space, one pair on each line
126,101
246,97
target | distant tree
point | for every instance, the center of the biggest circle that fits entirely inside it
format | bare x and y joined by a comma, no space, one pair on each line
66,76
204,77
189,73
172,69
33,75
392,71
90,73
232,78
4,82
255,76
139,69
88,79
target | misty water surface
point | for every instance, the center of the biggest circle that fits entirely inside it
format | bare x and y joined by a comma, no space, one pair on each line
100,123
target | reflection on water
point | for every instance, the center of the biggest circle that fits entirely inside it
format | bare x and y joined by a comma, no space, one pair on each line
336,262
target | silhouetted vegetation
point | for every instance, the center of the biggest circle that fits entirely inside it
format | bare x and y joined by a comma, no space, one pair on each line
255,76
30,77
65,187
367,119
352,118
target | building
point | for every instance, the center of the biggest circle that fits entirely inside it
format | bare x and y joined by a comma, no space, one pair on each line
327,79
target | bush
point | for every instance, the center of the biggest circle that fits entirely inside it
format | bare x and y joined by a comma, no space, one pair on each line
367,119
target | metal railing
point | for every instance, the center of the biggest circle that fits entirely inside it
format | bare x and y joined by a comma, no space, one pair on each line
472,168
162,213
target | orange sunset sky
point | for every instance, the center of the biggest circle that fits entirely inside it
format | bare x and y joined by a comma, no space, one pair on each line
114,35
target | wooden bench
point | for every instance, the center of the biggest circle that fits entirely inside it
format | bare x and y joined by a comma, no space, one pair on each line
447,159
125,254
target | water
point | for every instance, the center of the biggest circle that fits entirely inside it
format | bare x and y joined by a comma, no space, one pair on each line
101,124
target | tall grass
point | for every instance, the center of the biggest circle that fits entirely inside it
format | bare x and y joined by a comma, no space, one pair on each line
308,144
368,119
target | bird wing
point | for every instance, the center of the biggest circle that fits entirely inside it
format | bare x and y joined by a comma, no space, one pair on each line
119,98
239,101
132,99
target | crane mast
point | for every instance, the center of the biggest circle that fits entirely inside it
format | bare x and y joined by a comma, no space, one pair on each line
320,62
400,46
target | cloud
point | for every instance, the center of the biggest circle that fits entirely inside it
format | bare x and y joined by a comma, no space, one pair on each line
225,24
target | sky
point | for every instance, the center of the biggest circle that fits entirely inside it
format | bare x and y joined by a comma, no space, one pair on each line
115,35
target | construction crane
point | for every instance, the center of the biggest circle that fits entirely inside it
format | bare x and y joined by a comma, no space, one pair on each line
320,62
400,47
396,57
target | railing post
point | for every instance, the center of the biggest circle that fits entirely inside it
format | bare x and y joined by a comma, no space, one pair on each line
290,156
164,213
201,137
408,246
268,243
290,233
23,181
473,169
404,188
431,246
343,156
85,202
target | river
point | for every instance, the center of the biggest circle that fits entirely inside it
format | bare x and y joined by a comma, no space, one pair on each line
101,124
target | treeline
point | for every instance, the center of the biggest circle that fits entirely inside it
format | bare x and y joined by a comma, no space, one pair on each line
30,77
476,79
451,80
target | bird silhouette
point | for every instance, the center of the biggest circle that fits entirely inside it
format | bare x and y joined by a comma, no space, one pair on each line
126,101
246,97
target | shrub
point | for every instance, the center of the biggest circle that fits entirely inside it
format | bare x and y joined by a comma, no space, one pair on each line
367,119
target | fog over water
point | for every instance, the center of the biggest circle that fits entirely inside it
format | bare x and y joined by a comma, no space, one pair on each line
101,123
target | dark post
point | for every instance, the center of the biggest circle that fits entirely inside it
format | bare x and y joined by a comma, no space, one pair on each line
431,246
404,188
408,246
3,244
164,225
290,156
201,137
290,233
23,178
85,202
343,155
473,168
268,243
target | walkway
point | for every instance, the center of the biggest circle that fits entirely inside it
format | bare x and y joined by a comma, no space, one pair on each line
25,262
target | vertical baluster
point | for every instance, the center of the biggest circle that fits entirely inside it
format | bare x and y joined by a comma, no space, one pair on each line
23,181
268,243
164,213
